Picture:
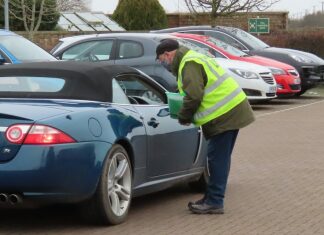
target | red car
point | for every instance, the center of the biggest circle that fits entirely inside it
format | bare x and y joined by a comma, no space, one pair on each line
287,77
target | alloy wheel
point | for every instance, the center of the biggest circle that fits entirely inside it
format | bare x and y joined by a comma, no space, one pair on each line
119,184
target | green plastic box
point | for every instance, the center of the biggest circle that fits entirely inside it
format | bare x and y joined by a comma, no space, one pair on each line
175,102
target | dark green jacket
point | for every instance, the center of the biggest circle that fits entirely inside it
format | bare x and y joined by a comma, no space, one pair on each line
194,79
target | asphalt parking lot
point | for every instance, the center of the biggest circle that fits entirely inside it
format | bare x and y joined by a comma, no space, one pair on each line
276,185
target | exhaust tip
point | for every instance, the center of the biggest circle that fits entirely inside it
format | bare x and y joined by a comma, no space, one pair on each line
14,199
3,198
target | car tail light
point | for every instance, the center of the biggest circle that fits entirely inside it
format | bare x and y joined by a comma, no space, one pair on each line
36,134
17,133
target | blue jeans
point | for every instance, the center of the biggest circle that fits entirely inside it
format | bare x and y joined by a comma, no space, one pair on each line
220,149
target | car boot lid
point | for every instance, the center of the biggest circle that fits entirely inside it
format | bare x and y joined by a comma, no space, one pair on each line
30,111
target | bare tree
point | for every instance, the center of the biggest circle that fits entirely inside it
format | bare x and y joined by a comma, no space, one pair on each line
32,12
226,7
73,5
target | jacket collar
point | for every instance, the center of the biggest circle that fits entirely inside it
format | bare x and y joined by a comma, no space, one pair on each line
180,53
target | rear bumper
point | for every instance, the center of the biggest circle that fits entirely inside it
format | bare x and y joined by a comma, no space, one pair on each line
60,173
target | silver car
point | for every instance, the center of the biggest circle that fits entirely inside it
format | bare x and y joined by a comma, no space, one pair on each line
138,50
132,49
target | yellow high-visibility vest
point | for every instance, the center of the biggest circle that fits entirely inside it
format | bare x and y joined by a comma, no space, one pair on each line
222,92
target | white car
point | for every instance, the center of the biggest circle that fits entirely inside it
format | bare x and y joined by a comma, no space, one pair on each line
256,81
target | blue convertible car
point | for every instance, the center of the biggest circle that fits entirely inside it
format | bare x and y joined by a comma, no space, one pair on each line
90,133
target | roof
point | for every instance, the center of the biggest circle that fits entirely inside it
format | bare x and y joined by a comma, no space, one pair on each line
177,29
117,35
4,32
87,21
194,27
83,80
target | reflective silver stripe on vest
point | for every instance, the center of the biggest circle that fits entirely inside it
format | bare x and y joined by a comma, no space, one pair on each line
220,79
216,84
218,105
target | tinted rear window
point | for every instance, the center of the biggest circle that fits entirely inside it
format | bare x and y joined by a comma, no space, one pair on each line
130,49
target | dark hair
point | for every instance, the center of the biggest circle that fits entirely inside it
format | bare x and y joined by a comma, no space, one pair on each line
166,45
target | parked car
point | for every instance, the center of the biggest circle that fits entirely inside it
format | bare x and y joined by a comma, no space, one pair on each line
309,66
138,50
286,76
90,133
17,49
132,49
256,81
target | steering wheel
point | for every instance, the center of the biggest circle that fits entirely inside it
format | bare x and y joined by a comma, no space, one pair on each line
93,57
151,96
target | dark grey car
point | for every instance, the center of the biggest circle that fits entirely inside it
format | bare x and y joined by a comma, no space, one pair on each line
132,49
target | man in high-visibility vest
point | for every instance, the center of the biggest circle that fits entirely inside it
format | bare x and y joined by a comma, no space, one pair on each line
213,100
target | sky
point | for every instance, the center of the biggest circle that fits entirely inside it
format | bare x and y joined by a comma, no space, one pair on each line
296,8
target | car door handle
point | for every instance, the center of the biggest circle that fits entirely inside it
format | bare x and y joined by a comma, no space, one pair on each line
153,123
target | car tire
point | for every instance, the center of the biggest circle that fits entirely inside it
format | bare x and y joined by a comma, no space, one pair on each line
298,94
200,184
111,201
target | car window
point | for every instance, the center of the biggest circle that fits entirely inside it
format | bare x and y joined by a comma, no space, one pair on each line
130,49
31,84
119,96
138,91
193,32
227,47
89,51
249,39
194,47
207,48
226,38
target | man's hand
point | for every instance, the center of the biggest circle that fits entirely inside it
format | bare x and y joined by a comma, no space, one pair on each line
184,122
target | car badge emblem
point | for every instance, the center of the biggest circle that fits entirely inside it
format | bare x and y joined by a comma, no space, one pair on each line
6,150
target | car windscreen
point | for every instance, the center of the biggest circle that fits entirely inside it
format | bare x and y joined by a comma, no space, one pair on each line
194,47
29,84
226,47
23,49
249,39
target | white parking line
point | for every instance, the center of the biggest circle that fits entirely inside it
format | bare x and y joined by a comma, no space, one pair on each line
285,110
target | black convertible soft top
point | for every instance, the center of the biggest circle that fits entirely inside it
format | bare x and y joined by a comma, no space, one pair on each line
83,80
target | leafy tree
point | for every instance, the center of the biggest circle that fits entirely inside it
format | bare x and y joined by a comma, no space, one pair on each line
32,15
140,14
227,7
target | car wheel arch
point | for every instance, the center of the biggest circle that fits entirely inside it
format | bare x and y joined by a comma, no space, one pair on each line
98,209
129,149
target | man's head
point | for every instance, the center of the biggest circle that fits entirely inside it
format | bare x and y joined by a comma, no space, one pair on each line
166,50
